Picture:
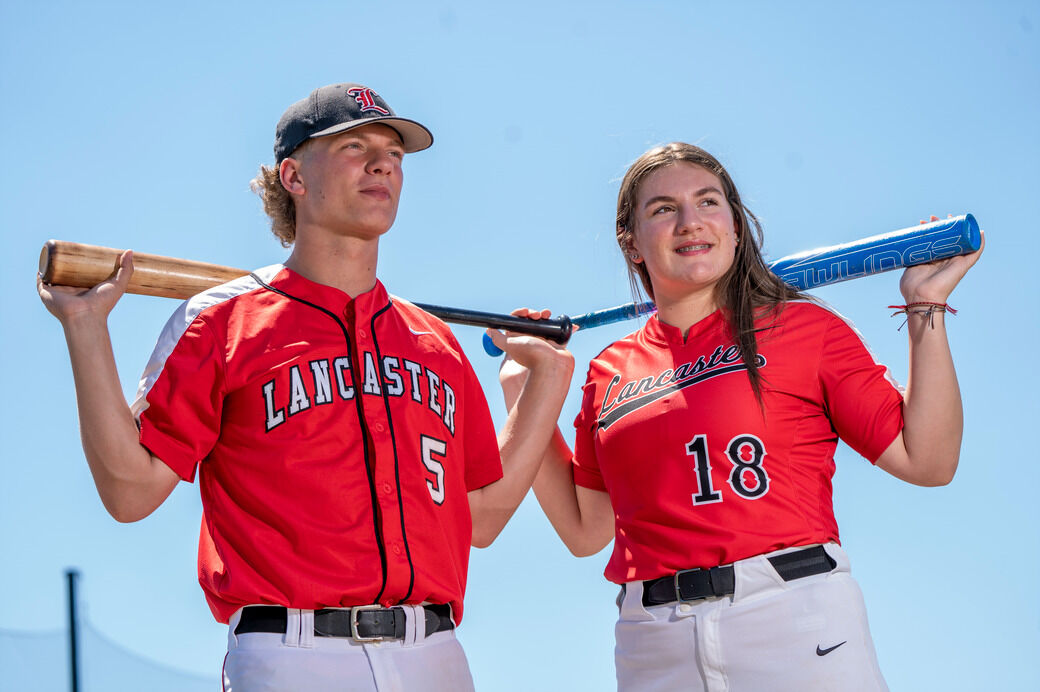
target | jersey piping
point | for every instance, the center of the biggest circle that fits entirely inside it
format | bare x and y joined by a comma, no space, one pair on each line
285,516
186,314
397,465
363,424
829,308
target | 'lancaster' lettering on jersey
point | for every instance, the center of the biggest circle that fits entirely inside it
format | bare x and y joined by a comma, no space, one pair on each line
636,394
323,381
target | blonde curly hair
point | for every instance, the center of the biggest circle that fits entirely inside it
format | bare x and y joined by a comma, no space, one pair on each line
278,204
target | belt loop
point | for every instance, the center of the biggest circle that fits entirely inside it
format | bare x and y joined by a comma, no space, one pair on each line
232,624
292,626
409,625
415,624
306,629
420,622
632,607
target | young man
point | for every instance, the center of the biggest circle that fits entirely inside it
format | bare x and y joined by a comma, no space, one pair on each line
345,451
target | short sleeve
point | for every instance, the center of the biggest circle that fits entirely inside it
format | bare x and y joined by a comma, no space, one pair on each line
483,461
180,400
863,401
586,466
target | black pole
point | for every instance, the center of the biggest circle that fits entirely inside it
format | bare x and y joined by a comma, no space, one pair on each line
71,576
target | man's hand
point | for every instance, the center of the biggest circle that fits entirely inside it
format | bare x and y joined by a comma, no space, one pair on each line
71,304
541,377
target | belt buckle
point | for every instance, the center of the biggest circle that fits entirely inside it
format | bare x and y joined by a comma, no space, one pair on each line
678,592
354,634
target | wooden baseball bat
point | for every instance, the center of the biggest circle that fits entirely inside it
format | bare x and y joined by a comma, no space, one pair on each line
65,263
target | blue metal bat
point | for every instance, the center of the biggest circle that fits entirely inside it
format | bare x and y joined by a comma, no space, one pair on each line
805,270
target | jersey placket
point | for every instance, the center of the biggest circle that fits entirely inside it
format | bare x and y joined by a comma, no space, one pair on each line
378,429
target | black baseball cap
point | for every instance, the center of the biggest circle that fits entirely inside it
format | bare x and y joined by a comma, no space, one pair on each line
337,108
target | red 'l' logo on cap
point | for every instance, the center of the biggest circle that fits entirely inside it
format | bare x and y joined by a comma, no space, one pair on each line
366,99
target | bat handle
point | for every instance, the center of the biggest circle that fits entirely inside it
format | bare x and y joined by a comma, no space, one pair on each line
564,335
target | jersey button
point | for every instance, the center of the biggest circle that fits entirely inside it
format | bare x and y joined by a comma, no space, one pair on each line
397,550
362,334
685,607
379,427
387,488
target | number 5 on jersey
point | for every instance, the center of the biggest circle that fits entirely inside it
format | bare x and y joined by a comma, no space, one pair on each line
748,477
432,446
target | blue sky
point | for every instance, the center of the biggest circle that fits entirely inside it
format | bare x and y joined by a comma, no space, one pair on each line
139,125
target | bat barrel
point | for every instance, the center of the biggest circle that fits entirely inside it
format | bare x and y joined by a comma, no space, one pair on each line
73,264
906,247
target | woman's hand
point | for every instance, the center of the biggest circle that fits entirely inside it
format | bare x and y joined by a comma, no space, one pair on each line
935,281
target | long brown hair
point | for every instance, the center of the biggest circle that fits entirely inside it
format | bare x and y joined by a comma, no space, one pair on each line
748,290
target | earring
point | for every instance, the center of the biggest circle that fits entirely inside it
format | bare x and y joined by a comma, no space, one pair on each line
634,256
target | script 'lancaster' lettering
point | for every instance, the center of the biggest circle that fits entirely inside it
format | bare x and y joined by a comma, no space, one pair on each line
302,387
635,394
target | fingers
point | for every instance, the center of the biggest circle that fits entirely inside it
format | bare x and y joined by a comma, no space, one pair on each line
497,338
508,340
935,281
518,346
532,314
68,302
125,270
970,259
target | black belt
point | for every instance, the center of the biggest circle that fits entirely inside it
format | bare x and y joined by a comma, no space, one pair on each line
695,584
368,623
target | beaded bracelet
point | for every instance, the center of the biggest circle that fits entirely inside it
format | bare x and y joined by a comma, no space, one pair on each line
929,310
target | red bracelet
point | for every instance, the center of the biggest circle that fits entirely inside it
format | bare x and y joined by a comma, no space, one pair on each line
928,310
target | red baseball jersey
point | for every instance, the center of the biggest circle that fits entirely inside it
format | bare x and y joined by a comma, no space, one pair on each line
335,441
698,474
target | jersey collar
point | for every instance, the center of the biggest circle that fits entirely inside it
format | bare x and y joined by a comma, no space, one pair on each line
332,299
663,334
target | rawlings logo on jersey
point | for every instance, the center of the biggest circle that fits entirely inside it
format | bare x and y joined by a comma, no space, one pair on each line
636,394
326,380
366,98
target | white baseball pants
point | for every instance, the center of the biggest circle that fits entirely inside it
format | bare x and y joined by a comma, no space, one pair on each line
803,635
298,660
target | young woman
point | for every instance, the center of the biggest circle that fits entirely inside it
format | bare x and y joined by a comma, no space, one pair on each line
705,444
